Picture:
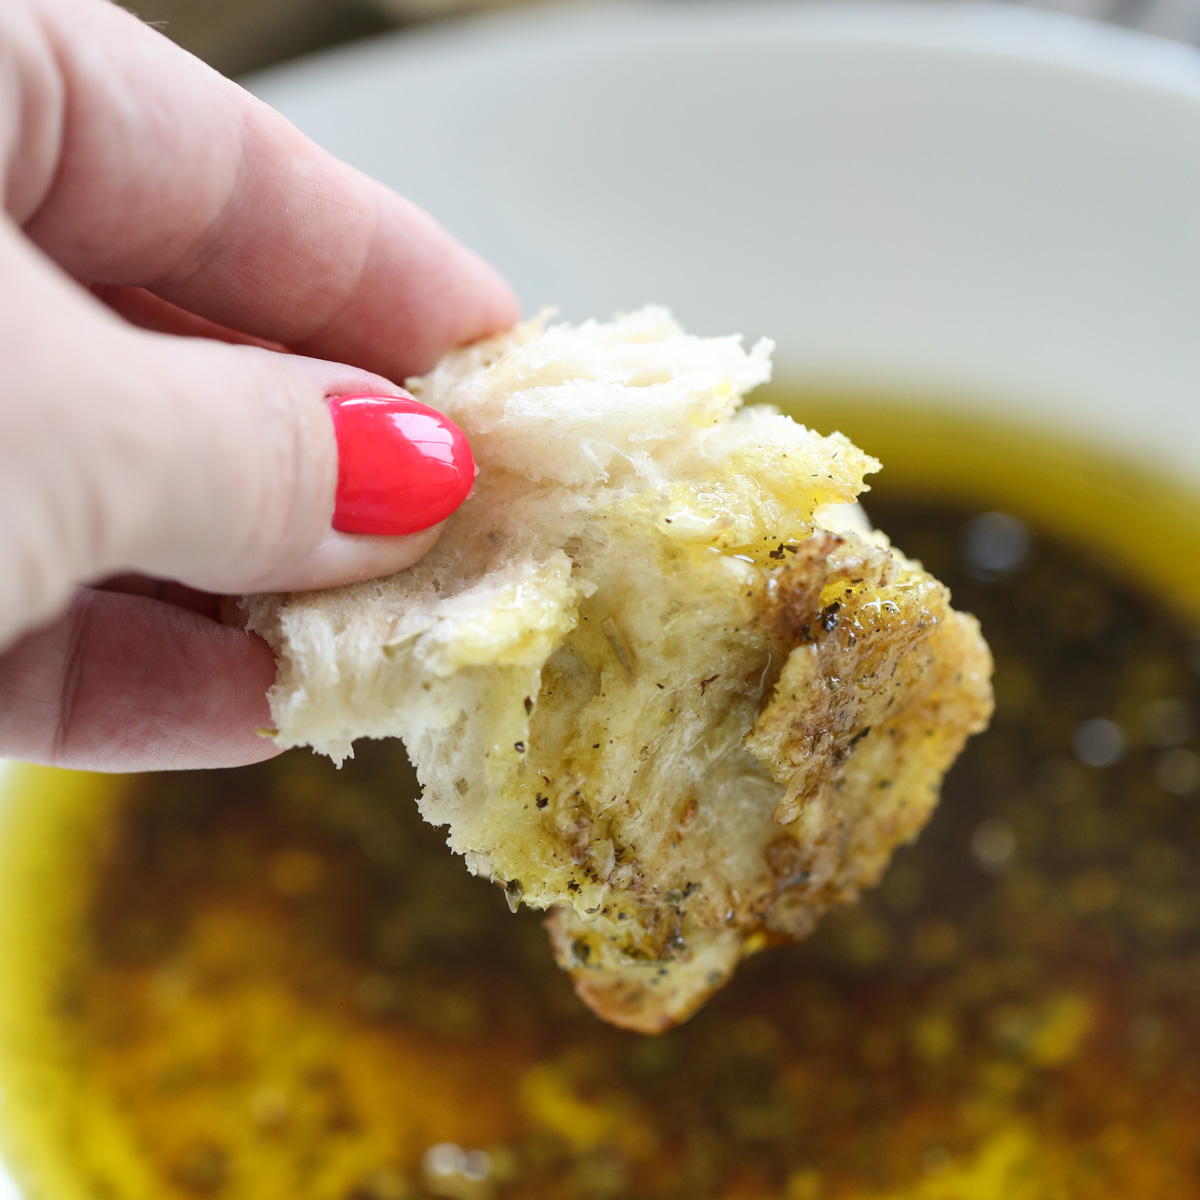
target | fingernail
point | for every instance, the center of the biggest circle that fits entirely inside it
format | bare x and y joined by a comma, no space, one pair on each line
402,466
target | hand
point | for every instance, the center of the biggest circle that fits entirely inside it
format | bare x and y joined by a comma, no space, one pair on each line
171,249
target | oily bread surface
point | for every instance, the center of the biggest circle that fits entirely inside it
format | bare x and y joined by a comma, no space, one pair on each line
649,679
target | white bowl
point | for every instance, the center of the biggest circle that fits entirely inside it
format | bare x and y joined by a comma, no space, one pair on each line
996,207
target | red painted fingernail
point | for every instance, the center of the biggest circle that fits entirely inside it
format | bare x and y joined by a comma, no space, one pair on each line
402,466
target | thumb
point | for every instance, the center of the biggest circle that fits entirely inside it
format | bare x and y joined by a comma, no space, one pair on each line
209,463
258,470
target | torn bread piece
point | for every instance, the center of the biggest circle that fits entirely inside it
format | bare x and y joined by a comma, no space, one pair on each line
652,679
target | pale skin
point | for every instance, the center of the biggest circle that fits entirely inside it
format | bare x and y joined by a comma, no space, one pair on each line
182,278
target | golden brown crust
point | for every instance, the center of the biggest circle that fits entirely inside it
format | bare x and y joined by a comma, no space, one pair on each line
880,683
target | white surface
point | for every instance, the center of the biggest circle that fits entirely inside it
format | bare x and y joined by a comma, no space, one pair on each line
997,205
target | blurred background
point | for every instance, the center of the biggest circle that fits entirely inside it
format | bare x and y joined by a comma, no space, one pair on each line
238,36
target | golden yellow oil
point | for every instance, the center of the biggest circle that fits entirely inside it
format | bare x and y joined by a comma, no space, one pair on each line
87,1111
1129,514
53,830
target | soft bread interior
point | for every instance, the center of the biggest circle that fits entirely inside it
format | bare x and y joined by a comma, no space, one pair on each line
653,677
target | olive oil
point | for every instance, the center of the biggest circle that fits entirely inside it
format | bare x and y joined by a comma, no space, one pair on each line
1143,524
277,982
54,830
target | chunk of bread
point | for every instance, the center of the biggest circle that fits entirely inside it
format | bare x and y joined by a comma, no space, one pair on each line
647,680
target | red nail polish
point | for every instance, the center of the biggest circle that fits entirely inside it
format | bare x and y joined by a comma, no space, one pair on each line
402,466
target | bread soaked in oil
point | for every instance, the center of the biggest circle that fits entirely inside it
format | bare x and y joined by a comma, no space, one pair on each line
651,677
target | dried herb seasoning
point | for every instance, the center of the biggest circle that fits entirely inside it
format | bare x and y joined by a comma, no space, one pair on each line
296,990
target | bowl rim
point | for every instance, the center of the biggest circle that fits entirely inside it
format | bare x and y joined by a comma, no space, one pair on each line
1000,31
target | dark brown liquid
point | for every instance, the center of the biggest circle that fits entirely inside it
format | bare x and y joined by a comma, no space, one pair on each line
297,991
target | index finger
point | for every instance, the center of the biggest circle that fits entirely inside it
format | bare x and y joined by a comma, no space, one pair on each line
172,178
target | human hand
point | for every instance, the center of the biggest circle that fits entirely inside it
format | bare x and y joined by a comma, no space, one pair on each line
166,239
